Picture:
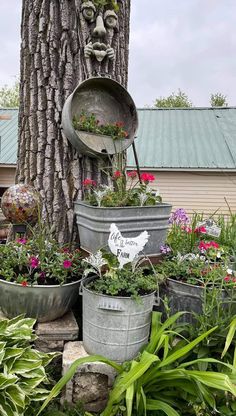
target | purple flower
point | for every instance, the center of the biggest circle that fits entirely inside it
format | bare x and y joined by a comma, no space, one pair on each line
179,217
165,249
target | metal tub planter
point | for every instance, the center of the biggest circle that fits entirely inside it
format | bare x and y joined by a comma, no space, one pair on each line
116,327
186,297
45,303
94,224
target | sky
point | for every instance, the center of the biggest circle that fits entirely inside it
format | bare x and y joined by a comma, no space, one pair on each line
186,44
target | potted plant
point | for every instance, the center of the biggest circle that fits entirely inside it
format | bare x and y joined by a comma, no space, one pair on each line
117,306
38,277
195,267
129,202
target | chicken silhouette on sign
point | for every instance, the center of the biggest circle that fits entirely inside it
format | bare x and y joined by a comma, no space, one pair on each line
126,249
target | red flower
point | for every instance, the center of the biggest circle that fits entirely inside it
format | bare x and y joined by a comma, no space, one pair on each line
214,244
201,230
67,264
227,278
24,283
133,174
117,174
89,182
146,177
34,262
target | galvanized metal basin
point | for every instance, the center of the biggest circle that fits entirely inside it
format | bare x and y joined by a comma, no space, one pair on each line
94,224
110,102
186,297
45,303
113,326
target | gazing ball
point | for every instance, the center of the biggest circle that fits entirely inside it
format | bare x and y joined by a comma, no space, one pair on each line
20,204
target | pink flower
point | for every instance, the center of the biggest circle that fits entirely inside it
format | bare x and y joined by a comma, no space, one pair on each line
42,275
34,262
24,283
227,278
21,240
187,229
67,264
89,182
117,174
133,174
146,177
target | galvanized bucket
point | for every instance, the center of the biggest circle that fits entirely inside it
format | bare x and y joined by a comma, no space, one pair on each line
110,102
116,327
94,224
186,297
45,303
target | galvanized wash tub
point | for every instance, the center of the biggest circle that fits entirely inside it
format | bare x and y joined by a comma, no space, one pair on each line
45,303
110,102
116,327
94,224
186,297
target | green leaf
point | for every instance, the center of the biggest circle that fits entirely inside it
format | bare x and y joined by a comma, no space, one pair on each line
183,351
230,336
16,395
129,396
7,380
164,407
146,360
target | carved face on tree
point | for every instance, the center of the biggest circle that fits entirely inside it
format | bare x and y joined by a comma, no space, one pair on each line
101,20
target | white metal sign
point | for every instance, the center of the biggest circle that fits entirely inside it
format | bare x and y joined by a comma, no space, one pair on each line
211,227
126,249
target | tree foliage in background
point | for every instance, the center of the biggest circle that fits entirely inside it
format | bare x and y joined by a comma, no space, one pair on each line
175,100
218,100
9,96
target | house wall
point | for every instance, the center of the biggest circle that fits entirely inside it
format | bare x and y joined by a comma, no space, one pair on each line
7,176
201,192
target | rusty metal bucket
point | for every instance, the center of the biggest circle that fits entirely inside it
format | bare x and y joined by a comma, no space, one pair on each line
111,103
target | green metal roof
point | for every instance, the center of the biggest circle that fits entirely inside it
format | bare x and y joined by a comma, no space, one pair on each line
8,136
177,138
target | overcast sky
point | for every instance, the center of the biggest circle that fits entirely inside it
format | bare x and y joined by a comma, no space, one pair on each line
186,44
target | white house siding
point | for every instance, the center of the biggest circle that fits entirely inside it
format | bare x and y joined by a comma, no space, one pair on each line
202,192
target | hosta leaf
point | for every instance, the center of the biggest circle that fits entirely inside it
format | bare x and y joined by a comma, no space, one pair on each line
23,366
7,380
30,384
6,408
13,352
164,407
36,373
16,395
19,321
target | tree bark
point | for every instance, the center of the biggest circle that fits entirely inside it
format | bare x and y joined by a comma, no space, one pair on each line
54,34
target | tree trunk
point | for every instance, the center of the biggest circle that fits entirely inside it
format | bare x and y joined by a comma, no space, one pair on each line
55,57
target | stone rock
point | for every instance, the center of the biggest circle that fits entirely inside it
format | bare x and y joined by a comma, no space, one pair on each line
53,335
91,382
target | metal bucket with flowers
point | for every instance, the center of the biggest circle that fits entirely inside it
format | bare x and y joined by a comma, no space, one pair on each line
129,202
38,277
195,269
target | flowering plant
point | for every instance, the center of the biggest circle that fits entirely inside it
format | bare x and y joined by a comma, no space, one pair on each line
132,280
90,123
191,255
38,261
127,190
